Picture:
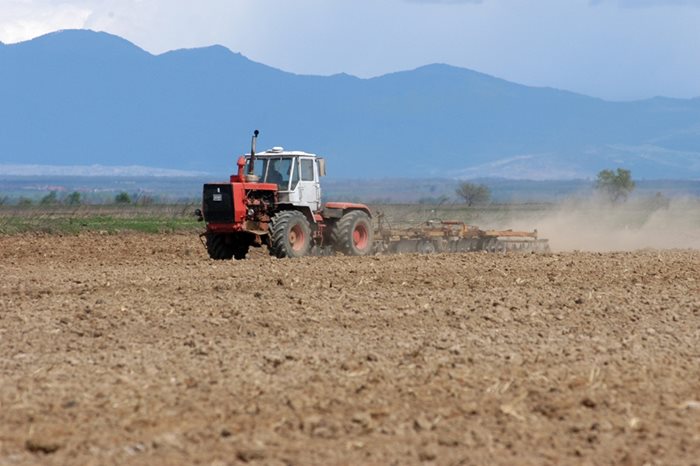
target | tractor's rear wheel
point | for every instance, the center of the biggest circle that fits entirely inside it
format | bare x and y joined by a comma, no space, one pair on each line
218,248
353,235
290,235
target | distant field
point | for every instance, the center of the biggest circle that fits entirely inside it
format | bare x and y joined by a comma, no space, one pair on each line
407,215
171,190
570,225
177,217
100,218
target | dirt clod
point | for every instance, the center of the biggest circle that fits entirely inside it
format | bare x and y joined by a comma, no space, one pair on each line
250,454
43,446
588,403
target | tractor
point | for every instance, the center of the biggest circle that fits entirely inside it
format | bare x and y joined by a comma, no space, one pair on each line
274,199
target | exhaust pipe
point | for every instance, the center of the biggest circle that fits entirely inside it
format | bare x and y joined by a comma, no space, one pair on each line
251,166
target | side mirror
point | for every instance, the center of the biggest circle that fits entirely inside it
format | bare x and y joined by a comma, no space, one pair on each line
198,214
321,167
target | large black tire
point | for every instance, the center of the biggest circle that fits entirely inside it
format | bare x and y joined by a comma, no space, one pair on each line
353,235
290,234
218,248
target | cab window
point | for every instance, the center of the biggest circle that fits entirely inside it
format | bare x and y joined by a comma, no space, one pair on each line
307,170
278,171
260,167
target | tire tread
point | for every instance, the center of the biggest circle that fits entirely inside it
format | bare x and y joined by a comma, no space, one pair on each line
341,235
279,229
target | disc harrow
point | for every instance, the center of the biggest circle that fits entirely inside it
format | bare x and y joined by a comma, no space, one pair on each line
440,236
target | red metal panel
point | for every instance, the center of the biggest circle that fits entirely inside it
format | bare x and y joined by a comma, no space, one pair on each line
260,186
223,227
239,207
348,206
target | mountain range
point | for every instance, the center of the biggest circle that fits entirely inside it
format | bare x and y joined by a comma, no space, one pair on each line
81,98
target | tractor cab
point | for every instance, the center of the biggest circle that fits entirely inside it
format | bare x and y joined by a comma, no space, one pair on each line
296,174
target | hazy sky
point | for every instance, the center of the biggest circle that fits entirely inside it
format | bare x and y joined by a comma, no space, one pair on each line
615,49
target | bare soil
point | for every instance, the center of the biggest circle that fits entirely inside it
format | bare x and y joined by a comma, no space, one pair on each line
138,349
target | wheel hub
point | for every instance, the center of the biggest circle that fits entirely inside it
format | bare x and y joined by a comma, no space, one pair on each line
296,237
360,237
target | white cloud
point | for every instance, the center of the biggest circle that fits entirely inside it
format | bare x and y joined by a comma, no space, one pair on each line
25,19
156,25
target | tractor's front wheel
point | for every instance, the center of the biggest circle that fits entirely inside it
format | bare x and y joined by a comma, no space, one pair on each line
240,250
218,248
227,247
353,234
290,234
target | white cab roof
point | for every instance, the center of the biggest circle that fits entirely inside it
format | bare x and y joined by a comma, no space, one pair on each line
280,152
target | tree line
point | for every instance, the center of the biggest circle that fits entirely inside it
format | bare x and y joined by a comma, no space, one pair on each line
614,186
75,198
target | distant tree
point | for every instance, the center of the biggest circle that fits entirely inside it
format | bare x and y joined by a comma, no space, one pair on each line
615,185
122,198
4,200
24,202
50,199
473,193
73,198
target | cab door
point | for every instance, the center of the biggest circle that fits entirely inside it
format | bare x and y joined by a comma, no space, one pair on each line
308,186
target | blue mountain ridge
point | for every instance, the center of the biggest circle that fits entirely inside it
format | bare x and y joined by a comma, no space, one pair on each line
79,97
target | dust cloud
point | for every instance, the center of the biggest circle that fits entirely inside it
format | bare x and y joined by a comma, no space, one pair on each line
597,226
576,224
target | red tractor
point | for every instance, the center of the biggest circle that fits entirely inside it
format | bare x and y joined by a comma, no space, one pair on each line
274,199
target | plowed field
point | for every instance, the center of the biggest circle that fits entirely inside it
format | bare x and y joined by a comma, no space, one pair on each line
137,349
